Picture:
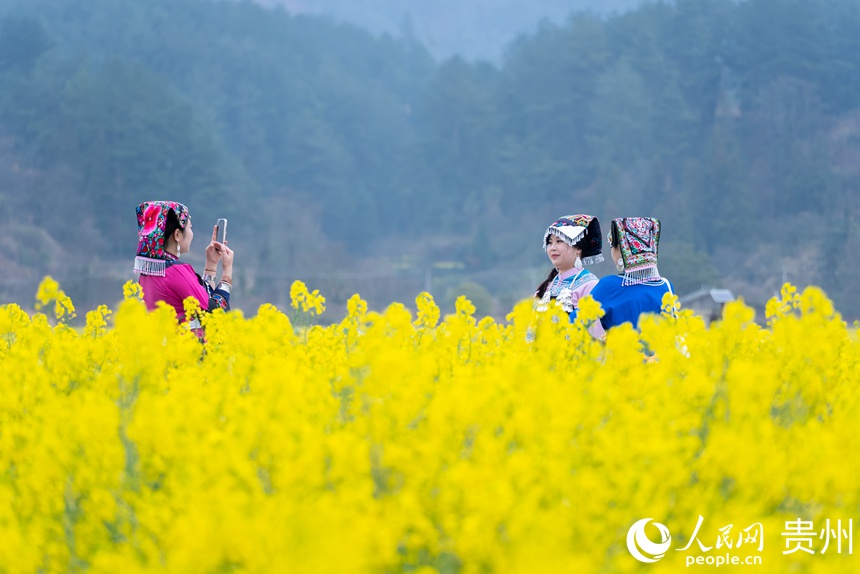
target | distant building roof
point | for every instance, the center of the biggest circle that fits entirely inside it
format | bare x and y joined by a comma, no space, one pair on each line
715,295
722,295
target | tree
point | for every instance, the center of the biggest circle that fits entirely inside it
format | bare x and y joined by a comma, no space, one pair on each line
22,42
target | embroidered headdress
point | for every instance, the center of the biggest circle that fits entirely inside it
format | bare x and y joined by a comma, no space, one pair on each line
151,223
581,231
638,238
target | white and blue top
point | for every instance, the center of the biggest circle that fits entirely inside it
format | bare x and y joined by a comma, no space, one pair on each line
568,288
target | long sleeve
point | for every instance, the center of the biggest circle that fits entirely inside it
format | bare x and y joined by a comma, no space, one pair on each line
596,328
581,291
218,298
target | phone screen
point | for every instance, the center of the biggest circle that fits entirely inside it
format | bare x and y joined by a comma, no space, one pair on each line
221,234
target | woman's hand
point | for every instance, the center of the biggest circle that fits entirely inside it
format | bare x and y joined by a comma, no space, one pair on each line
214,253
226,260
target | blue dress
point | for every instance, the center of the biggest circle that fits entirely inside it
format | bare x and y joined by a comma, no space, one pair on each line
625,303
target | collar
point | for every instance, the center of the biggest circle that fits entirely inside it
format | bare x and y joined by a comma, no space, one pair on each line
570,273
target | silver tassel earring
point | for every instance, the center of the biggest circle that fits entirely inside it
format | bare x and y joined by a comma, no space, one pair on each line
178,250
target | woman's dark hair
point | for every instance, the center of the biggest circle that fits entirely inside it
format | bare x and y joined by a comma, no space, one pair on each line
545,285
613,234
171,224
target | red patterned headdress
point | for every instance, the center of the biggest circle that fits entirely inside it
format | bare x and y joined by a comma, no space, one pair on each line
151,223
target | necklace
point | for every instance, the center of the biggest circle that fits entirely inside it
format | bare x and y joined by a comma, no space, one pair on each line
557,282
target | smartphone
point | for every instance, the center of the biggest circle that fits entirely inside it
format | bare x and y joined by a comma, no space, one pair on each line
221,234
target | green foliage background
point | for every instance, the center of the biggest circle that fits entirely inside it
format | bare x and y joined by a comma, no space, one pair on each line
335,151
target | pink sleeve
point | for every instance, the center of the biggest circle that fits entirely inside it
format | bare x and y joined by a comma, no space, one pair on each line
581,291
596,328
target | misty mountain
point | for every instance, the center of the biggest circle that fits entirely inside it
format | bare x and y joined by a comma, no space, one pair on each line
473,29
359,163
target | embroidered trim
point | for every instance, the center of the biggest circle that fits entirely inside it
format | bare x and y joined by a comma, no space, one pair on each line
562,290
575,235
149,266
583,277
641,275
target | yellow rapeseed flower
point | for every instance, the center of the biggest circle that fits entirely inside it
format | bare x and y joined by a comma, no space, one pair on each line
388,442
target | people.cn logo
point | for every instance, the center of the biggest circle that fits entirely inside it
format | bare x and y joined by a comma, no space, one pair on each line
641,547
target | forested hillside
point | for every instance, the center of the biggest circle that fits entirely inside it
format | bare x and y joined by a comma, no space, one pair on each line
473,29
337,154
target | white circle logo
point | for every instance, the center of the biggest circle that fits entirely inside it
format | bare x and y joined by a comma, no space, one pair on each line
641,547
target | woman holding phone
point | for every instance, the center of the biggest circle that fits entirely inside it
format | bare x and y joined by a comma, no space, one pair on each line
164,234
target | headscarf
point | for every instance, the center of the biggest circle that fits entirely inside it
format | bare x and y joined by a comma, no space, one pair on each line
581,231
151,257
638,238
